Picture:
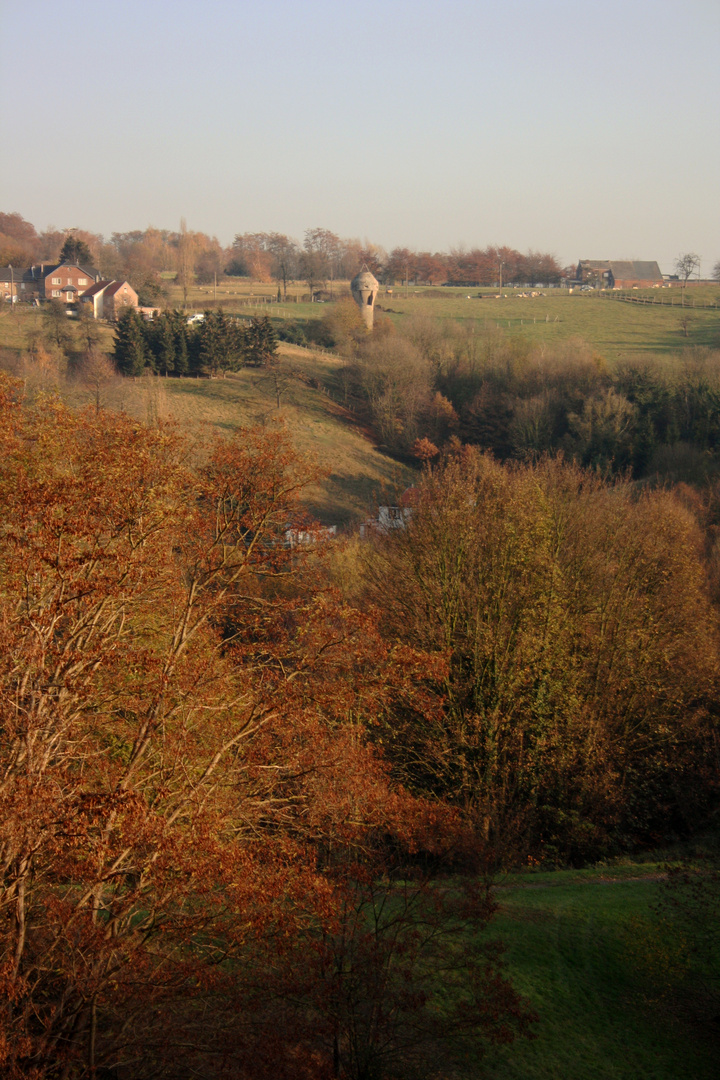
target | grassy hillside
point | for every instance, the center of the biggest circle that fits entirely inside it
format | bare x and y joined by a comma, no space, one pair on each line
359,475
575,948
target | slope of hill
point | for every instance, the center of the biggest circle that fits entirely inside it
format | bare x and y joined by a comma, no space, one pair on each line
359,476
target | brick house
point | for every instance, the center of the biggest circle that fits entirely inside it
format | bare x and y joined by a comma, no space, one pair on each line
22,282
65,282
117,295
59,281
108,297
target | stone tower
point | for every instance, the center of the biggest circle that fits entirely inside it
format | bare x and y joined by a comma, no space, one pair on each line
364,287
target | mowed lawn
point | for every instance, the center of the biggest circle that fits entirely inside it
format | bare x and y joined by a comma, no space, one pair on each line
577,948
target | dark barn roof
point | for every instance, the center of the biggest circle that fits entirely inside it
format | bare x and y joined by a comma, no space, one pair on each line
640,271
623,269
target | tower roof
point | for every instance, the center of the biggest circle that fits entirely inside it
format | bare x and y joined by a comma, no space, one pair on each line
364,280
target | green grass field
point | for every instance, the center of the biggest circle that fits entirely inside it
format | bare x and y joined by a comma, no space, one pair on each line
575,948
615,328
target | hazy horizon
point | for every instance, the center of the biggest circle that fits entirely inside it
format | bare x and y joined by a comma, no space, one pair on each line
585,131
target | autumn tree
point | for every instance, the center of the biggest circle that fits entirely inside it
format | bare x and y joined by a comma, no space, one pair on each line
98,867
19,243
431,268
395,380
374,257
189,812
400,265
602,435
186,246
407,981
319,257
210,259
343,328
582,651
251,256
96,372
284,252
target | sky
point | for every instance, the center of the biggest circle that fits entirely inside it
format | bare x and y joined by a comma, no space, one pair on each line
587,129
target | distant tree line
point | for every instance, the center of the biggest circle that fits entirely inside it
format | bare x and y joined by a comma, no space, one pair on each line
145,257
168,345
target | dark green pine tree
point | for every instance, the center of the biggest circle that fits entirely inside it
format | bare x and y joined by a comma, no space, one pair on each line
75,251
162,343
219,343
260,342
182,351
132,354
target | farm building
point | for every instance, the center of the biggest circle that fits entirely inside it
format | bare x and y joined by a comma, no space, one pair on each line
618,274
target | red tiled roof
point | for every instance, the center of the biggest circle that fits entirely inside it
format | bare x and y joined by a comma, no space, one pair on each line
98,287
116,286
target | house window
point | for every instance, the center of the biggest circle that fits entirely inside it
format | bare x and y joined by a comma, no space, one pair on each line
69,281
56,292
56,281
82,281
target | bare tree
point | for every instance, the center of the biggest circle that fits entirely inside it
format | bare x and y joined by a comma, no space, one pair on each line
284,253
321,251
96,372
685,266
279,377
186,252
56,324
87,324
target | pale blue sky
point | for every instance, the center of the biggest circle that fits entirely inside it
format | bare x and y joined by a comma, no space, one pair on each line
589,129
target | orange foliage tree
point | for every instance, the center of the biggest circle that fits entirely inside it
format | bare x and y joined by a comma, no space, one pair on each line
189,811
